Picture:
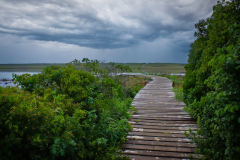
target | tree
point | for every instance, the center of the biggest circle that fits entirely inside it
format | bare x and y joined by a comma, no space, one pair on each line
212,83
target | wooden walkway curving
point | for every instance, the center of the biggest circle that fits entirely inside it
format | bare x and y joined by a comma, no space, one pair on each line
159,125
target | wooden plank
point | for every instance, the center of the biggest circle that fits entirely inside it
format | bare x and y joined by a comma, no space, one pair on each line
157,143
162,112
164,128
158,131
162,89
145,92
159,148
155,100
167,102
161,105
163,124
159,139
157,134
156,92
155,96
137,157
155,103
162,115
162,84
160,153
163,121
159,108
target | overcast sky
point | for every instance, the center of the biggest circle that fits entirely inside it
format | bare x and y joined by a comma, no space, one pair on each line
58,31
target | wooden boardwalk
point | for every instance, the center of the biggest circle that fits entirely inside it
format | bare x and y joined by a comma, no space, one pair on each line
159,125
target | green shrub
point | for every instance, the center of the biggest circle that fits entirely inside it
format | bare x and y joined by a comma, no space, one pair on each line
79,111
32,128
211,86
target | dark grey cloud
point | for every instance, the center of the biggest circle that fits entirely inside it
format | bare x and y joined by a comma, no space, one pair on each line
15,49
104,24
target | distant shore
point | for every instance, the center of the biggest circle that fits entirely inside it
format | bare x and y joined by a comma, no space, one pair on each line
151,68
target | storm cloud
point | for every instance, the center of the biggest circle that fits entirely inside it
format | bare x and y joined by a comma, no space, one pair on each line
100,23
104,24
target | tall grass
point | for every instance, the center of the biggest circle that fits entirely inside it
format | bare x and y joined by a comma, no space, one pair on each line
178,93
177,85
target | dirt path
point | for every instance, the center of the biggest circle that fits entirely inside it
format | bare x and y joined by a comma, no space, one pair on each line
159,125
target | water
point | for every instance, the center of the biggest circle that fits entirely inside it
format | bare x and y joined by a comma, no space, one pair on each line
8,77
130,74
181,74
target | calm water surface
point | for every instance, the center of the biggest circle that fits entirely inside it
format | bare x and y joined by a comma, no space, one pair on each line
8,76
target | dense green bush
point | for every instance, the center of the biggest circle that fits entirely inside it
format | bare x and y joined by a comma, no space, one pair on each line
79,111
212,82
33,128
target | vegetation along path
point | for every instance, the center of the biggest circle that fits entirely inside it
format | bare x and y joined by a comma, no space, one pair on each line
159,125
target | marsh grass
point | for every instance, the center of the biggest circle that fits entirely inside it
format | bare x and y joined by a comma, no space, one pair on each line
178,93
131,81
177,85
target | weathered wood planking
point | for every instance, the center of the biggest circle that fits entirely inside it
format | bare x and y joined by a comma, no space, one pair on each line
159,125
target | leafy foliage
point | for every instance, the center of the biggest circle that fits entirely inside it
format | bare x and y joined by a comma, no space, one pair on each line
212,82
78,111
